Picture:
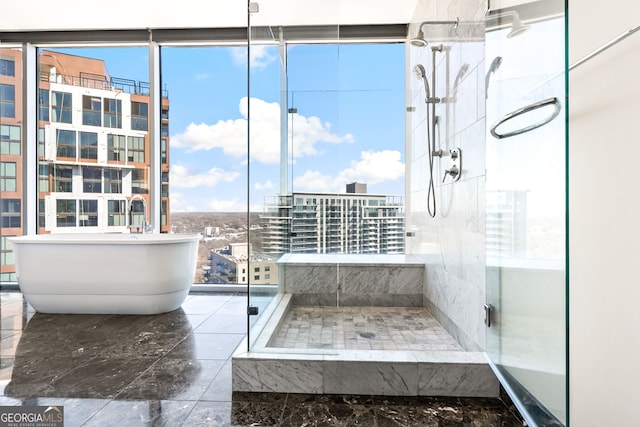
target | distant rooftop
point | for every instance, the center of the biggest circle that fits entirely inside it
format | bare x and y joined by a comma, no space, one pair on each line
97,81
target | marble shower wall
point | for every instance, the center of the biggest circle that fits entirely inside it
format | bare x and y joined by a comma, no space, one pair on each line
452,245
352,280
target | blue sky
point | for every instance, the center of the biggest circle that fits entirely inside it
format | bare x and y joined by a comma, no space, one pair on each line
349,125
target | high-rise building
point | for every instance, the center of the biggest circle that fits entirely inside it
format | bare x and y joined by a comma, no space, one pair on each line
352,222
93,148
506,223
238,264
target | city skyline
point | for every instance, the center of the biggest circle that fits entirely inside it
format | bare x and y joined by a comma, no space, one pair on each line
337,133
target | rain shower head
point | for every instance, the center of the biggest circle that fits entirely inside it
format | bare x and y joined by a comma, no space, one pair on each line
517,27
419,40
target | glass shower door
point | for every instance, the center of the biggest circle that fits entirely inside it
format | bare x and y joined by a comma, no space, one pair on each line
526,205
262,108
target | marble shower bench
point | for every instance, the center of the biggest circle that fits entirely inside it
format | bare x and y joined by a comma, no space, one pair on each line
352,280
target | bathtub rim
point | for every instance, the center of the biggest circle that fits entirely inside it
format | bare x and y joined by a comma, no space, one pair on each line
105,238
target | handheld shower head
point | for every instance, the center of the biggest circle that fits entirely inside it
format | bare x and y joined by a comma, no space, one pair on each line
461,72
495,64
421,74
419,71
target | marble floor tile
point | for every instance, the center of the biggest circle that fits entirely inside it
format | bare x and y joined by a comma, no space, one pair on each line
224,324
207,346
174,369
141,413
209,414
220,388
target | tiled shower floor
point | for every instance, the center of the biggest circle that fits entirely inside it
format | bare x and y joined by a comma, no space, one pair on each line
362,328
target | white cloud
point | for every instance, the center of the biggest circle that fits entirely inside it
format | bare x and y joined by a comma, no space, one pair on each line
305,132
267,185
233,205
179,204
372,168
261,55
231,135
181,178
316,182
202,76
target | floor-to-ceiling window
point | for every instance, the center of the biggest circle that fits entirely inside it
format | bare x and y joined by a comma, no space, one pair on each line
11,156
207,155
93,138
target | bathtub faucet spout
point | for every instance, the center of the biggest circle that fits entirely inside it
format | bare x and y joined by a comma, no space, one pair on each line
144,226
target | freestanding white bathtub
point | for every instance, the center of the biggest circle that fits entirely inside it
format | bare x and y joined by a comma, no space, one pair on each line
105,273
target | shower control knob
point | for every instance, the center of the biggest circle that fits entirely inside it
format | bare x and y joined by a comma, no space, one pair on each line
453,171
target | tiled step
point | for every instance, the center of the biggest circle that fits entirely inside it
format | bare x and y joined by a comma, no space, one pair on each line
440,373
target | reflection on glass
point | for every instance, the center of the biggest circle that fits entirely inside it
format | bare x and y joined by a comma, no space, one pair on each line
11,203
525,219
346,145
93,130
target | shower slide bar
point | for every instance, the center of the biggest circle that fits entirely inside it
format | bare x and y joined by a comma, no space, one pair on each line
524,110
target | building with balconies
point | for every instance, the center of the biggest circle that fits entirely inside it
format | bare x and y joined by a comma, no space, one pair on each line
351,222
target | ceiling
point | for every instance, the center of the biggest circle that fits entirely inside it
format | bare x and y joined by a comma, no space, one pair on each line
70,15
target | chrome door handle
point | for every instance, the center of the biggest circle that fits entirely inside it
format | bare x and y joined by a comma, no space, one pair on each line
531,107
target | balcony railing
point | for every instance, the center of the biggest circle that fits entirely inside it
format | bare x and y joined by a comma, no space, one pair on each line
97,81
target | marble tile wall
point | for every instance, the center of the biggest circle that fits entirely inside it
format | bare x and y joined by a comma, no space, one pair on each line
367,372
381,281
451,245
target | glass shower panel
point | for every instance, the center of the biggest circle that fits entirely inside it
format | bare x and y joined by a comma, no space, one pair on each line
266,121
348,149
526,207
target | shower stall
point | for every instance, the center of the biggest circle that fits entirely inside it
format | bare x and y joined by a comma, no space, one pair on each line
351,318
481,271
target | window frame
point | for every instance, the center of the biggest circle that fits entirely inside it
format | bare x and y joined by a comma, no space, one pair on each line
7,140
90,115
139,116
8,214
8,178
91,180
112,181
65,147
61,181
71,213
7,100
112,119
64,109
88,142
7,67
